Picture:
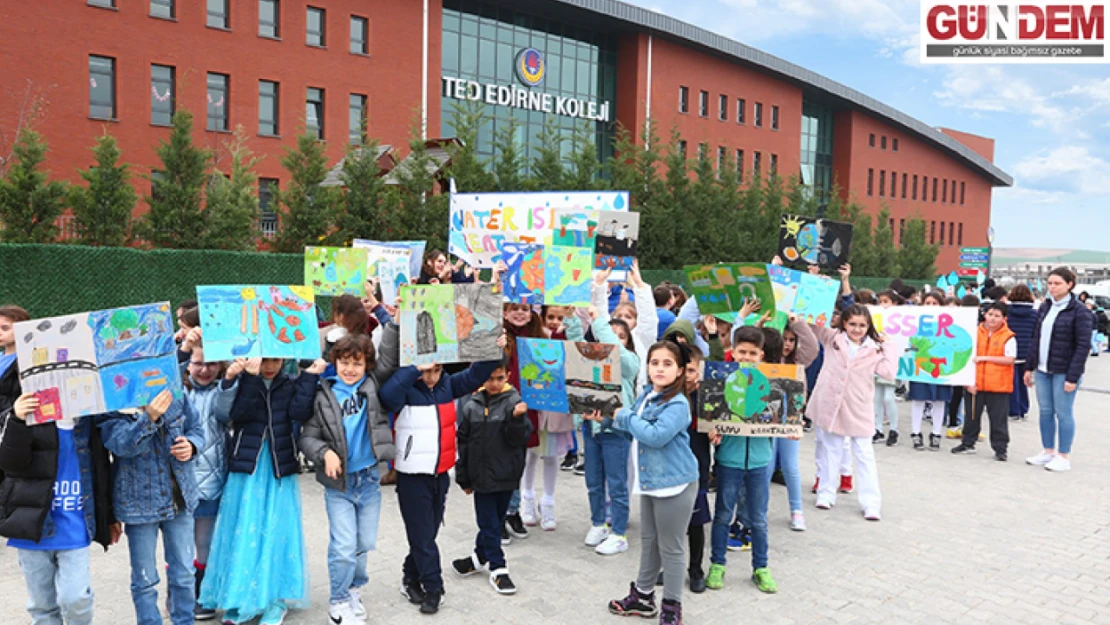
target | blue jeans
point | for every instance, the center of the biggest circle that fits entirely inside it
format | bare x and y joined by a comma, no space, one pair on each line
57,586
750,488
177,544
607,465
1056,411
514,503
786,453
352,530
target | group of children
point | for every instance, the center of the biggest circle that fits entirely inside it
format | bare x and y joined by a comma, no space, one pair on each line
215,471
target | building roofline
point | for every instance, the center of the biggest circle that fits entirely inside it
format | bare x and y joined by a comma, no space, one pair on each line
663,24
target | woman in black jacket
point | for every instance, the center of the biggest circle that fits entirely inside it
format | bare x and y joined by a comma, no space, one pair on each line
1055,364
1022,320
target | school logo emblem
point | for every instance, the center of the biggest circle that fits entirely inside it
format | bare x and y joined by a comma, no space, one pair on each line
530,67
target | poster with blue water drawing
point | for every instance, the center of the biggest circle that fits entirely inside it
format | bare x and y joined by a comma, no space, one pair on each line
523,280
812,298
266,321
415,248
543,381
936,343
568,376
393,273
567,275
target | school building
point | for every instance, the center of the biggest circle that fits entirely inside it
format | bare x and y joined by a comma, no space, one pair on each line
276,67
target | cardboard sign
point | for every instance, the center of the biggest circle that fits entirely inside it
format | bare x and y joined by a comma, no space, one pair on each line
751,400
812,298
726,286
446,323
258,321
936,342
570,377
810,241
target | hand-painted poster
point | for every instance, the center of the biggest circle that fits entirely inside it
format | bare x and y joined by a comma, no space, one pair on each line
553,275
617,236
522,282
725,287
335,270
751,400
387,248
95,362
481,222
393,273
812,298
258,321
810,241
936,342
570,377
446,323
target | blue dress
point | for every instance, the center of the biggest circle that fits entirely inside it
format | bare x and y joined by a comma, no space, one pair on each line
258,550
929,392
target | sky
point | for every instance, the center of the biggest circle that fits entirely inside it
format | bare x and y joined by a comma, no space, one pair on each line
1050,123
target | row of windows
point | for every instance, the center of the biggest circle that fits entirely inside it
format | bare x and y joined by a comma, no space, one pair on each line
955,232
722,108
163,96
722,154
893,142
218,15
947,188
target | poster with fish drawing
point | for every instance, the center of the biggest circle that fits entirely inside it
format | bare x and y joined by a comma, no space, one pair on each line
725,287
812,298
251,321
393,273
618,233
395,248
446,323
807,241
570,377
95,362
336,270
751,400
523,280
936,343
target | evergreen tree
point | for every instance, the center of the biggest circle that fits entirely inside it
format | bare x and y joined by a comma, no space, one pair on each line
886,254
508,165
306,211
661,243
698,234
231,210
916,257
175,218
29,202
765,226
423,216
584,173
547,171
103,209
367,214
470,173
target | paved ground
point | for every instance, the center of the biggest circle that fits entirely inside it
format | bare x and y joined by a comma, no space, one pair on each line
963,540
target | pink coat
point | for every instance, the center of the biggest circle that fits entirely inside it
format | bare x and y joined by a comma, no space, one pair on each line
843,399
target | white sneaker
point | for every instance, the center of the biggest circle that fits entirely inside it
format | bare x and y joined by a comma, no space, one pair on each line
597,534
343,614
528,510
612,545
797,521
872,514
356,604
547,516
1040,459
1059,463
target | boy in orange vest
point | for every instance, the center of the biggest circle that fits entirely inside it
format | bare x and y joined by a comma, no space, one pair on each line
994,382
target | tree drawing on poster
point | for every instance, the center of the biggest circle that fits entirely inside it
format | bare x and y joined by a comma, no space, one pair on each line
810,241
574,227
393,273
812,298
726,286
565,376
617,236
936,342
523,280
449,323
751,400
335,270
95,362
567,275
258,321
382,249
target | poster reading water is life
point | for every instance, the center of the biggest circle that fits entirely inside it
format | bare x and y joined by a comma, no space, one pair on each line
936,342
266,321
94,362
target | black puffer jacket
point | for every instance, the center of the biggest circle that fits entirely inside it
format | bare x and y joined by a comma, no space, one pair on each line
1069,343
261,413
492,442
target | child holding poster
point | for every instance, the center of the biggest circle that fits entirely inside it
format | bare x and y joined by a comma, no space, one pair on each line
994,382
929,400
842,404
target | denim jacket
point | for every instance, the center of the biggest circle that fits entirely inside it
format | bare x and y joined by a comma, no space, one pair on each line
145,470
665,458
212,410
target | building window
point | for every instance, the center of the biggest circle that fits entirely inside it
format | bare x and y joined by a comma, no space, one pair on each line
925,189
740,106
102,87
703,151
218,16
217,101
360,34
893,185
161,95
269,18
871,140
870,182
682,148
722,102
894,144
758,114
951,230
935,191
357,114
932,232
960,234
108,4
914,187
740,165
882,182
314,112
314,27
774,117
757,164
156,176
703,103
268,219
901,230
904,179
774,165
944,191
882,143
683,99
962,189
267,108
158,8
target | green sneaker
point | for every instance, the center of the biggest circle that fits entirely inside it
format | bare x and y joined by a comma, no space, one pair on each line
716,578
764,581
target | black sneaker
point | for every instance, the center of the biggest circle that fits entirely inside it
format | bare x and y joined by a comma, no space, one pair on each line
963,449
892,438
918,441
778,478
1000,456
697,583
635,604
501,582
580,466
431,603
516,526
934,442
413,591
506,537
201,613
568,462
467,566
878,437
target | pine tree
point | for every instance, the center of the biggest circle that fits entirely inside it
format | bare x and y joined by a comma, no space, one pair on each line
366,215
231,210
584,173
103,209
661,244
30,204
508,165
468,170
306,211
547,170
423,215
175,218
916,257
886,254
